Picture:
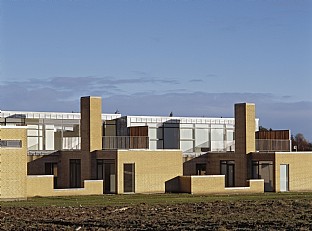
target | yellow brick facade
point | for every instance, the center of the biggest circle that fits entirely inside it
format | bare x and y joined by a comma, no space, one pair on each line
300,170
213,165
204,184
13,162
152,169
91,187
210,184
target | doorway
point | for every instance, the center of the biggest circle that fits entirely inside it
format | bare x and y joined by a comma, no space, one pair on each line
228,169
264,170
284,177
106,172
200,169
129,178
51,169
75,173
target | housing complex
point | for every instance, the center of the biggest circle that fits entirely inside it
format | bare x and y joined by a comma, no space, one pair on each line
51,154
51,131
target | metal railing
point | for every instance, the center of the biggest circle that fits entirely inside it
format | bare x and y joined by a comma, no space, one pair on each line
125,142
41,152
273,145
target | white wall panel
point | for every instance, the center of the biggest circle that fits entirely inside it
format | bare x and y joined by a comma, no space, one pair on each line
229,135
186,125
186,133
152,133
202,125
49,140
186,146
32,143
153,144
202,137
40,143
32,132
217,146
217,134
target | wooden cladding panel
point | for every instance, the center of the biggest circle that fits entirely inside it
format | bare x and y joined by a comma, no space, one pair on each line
138,131
273,135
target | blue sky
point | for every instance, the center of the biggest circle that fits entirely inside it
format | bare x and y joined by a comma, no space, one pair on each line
148,57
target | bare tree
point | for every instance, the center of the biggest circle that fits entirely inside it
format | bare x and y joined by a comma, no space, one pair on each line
301,142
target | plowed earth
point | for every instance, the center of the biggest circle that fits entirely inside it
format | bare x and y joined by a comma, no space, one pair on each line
277,214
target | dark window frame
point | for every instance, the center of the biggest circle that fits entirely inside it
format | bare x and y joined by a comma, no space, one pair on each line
228,164
129,177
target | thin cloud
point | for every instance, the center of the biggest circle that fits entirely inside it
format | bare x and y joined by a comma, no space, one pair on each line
211,76
196,81
142,73
88,84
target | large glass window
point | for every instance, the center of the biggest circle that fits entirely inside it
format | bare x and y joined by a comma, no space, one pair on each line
129,178
264,170
106,172
171,135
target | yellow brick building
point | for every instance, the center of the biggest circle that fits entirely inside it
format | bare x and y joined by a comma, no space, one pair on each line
13,159
94,170
281,171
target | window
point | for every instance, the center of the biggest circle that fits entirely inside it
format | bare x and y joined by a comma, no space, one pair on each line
10,143
200,169
75,173
51,169
105,170
284,177
171,135
264,170
129,178
227,168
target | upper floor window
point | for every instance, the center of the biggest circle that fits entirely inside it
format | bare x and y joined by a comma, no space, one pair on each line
10,143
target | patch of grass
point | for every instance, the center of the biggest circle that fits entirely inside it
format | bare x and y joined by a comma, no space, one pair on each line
132,199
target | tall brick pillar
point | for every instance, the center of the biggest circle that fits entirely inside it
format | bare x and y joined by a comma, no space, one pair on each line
245,128
91,131
91,123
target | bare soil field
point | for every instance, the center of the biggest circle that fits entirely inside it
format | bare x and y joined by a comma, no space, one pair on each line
289,213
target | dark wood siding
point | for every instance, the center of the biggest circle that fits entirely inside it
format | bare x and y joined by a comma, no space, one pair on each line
273,135
138,131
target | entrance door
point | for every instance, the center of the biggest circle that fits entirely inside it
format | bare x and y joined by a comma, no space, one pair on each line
106,172
284,173
129,179
264,170
228,169
230,175
75,173
109,178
